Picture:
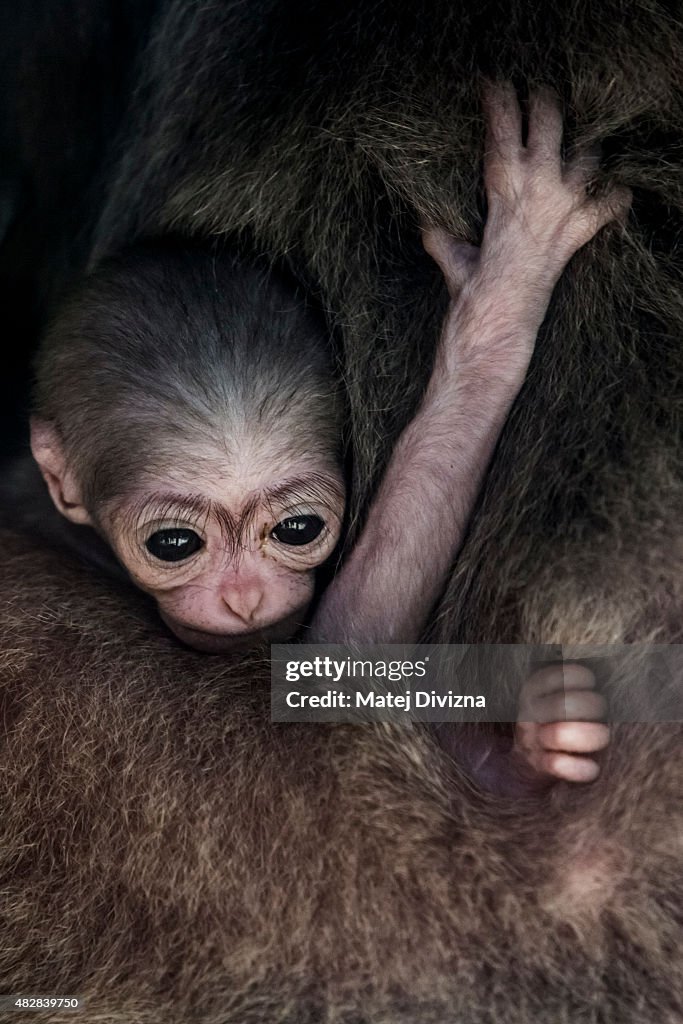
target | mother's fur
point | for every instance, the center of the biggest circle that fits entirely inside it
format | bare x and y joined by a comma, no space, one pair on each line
169,853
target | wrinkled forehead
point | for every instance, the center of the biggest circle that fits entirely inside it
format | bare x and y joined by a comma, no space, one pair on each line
234,491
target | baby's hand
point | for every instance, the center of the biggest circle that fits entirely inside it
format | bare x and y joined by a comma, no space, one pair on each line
539,215
539,212
559,724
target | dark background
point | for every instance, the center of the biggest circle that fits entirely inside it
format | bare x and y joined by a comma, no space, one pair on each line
66,74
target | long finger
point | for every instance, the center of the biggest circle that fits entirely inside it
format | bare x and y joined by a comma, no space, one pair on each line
544,138
503,119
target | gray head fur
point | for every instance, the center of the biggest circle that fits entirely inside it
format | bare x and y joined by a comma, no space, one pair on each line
172,352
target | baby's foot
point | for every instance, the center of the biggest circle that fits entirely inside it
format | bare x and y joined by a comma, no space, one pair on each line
559,727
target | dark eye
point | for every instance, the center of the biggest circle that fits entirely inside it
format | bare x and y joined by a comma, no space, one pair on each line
173,545
298,530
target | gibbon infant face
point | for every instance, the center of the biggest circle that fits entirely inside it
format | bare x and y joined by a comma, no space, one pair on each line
231,554
187,410
227,551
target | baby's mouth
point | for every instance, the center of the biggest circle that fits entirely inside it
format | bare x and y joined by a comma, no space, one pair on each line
219,643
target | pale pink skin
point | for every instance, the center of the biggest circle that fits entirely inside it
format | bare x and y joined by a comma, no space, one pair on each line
538,217
242,583
559,725
228,592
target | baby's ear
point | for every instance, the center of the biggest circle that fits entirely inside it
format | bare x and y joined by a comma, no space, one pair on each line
65,491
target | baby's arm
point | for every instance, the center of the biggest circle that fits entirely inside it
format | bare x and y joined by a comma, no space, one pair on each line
538,216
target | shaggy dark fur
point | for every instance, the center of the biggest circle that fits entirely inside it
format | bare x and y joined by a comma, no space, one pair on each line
166,851
181,346
171,856
328,137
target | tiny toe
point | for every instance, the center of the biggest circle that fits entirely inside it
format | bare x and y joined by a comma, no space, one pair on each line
571,768
558,677
575,737
584,706
576,676
563,706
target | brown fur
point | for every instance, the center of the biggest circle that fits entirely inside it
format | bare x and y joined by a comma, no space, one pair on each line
170,855
336,157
